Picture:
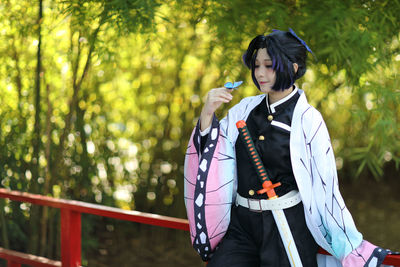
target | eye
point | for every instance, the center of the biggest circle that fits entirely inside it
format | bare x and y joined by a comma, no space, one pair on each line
256,66
268,66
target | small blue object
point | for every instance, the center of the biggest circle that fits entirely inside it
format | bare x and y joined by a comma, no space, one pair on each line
233,85
299,39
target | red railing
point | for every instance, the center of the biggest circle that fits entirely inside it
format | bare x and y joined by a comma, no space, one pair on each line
71,211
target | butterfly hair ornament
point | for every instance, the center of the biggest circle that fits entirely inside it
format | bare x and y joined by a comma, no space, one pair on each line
234,85
299,39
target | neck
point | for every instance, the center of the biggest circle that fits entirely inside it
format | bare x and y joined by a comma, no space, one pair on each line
275,96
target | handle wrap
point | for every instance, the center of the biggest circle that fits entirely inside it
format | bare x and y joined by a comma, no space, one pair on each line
267,185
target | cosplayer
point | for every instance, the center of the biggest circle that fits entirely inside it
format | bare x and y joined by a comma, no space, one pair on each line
231,219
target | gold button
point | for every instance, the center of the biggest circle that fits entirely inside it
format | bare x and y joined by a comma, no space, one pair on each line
251,192
261,137
270,117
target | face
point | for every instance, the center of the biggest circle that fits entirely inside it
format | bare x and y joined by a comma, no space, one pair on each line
263,71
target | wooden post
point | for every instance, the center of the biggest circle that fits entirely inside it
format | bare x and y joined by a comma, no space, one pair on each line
70,238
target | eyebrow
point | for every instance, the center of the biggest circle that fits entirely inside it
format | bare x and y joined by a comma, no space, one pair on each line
266,59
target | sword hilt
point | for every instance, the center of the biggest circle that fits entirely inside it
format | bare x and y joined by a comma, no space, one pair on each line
268,186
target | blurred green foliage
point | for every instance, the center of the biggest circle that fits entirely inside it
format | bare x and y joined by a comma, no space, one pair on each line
122,84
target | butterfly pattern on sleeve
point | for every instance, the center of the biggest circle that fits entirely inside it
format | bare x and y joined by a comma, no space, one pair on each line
210,182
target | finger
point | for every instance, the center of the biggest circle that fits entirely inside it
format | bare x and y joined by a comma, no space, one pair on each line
227,95
222,99
223,90
222,94
230,89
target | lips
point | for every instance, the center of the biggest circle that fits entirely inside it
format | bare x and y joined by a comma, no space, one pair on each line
262,83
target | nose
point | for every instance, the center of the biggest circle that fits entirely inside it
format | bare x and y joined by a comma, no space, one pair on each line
258,72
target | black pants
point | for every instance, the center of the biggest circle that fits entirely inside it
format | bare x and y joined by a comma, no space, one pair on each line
253,240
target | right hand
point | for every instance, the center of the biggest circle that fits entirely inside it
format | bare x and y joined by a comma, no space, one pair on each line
215,98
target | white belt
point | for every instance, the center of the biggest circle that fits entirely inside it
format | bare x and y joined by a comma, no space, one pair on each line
258,205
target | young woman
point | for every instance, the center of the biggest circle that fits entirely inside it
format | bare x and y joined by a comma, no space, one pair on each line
231,224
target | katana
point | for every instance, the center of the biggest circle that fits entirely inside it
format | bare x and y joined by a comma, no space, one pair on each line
268,188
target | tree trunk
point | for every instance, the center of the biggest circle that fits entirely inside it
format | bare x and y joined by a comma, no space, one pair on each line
36,142
84,183
4,235
45,215
77,83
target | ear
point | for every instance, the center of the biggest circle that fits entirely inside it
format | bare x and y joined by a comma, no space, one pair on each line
295,67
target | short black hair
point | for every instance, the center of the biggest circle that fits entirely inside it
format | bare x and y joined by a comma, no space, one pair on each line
284,50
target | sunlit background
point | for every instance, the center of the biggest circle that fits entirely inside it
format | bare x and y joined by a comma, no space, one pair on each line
98,99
